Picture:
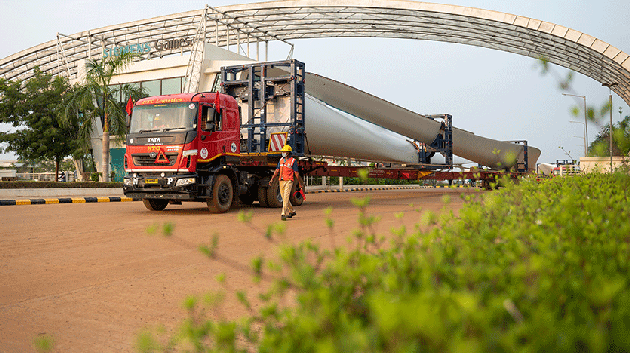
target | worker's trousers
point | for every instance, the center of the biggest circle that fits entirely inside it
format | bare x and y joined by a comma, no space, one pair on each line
285,191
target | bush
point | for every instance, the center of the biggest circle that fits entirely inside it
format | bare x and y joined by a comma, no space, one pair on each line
533,267
95,176
372,181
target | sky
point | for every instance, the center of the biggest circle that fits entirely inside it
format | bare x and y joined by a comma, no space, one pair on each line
491,93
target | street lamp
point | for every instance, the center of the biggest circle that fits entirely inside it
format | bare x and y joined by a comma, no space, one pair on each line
585,123
610,133
579,122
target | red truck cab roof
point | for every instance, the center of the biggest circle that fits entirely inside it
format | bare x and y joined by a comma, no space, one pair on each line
207,97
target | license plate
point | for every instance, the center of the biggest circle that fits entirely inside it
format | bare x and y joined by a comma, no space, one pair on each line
151,181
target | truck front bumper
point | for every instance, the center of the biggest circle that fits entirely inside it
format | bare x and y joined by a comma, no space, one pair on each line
173,187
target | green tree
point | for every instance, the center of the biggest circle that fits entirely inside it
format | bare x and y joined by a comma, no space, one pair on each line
34,109
621,140
96,97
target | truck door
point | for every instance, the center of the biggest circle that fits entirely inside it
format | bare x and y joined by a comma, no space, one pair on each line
213,139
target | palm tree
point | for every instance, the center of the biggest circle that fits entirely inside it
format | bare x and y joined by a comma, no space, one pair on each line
95,97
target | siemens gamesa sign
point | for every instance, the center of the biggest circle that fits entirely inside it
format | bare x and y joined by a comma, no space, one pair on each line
143,48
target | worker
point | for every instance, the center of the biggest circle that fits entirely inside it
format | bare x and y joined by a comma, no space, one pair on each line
288,172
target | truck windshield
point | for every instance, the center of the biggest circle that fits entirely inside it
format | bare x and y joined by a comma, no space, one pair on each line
163,117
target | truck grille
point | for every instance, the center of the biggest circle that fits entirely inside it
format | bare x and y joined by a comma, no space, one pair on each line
145,160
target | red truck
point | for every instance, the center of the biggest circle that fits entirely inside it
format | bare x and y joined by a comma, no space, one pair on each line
188,147
221,148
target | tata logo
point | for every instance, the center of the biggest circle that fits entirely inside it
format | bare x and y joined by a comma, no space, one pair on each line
153,154
154,140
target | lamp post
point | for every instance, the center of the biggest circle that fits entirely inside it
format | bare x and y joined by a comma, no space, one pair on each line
610,132
585,123
579,122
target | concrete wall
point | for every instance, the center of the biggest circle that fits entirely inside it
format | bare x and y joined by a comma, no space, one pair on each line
602,164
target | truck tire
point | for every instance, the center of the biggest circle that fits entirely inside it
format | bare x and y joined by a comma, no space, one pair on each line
274,199
262,196
296,199
222,195
155,205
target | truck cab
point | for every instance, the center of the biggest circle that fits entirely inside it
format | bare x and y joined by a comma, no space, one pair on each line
171,138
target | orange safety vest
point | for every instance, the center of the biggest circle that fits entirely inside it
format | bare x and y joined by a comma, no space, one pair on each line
286,168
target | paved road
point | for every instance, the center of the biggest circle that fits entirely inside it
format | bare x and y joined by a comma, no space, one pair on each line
91,276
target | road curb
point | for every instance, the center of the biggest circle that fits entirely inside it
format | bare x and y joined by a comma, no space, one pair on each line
88,199
57,200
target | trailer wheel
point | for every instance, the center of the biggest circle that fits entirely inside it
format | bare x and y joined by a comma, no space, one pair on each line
262,196
222,195
274,199
296,199
155,205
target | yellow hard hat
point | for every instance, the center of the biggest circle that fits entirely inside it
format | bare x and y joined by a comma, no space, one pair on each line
286,148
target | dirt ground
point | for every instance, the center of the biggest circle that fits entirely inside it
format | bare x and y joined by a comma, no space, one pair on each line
92,277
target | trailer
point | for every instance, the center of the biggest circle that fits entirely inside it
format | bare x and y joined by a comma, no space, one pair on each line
222,148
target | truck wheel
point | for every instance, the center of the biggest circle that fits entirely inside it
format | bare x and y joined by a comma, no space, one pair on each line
222,195
155,205
262,196
296,199
274,199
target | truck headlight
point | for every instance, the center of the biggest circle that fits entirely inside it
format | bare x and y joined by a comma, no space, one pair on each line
185,181
127,181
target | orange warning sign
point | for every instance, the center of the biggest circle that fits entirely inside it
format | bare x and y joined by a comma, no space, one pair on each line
161,158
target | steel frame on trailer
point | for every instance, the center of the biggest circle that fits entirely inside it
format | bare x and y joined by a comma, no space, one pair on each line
522,166
442,144
263,86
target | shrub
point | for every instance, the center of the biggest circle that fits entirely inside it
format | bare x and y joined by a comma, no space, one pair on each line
532,267
95,176
372,181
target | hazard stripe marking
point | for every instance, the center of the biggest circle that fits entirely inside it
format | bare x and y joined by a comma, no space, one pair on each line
66,200
277,140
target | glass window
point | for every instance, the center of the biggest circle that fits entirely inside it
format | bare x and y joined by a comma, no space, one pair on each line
163,117
217,83
172,85
209,120
114,90
134,86
152,88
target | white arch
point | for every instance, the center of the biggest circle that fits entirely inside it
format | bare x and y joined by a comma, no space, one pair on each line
301,19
